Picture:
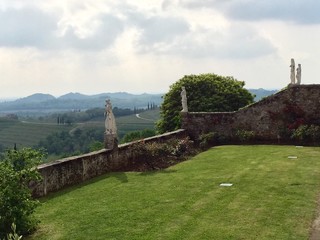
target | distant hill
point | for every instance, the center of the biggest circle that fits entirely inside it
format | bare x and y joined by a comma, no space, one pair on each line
261,93
45,103
37,97
74,96
40,103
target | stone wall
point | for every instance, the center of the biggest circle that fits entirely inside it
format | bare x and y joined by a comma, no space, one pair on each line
269,118
74,170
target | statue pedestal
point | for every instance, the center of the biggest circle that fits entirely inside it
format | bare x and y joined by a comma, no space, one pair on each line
110,141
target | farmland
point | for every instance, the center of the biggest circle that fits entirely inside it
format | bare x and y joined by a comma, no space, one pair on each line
29,133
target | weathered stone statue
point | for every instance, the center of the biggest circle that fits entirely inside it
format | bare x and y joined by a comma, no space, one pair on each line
292,72
110,125
184,100
298,76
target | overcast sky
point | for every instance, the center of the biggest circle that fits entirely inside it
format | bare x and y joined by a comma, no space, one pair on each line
95,46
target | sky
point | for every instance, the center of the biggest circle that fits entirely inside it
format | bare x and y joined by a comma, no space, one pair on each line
137,46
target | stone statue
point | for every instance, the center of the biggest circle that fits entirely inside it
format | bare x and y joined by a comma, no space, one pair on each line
110,122
299,74
292,72
184,100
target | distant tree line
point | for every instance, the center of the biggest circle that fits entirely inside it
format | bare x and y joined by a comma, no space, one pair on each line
94,114
137,135
72,143
152,106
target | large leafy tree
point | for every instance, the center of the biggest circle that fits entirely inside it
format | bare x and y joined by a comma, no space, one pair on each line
17,170
205,93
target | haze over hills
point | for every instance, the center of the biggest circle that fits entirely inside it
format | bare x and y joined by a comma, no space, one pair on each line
40,102
77,101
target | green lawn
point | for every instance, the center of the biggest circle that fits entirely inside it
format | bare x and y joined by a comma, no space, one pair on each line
272,197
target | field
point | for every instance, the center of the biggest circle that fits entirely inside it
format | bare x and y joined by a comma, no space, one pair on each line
273,196
26,134
29,133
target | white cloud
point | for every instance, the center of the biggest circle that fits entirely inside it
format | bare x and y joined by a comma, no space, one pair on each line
300,12
93,46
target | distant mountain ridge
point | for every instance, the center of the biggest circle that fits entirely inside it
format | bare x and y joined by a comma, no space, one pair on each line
37,97
76,101
261,93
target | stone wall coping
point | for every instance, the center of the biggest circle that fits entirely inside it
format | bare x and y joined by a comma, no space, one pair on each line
68,159
105,151
150,139
213,113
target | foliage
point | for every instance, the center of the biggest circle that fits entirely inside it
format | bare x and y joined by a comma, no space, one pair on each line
159,155
137,135
272,197
17,170
93,114
244,135
307,133
210,139
205,93
96,145
70,143
13,235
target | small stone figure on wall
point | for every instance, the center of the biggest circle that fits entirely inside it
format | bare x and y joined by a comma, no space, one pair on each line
184,100
299,74
292,72
110,122
110,125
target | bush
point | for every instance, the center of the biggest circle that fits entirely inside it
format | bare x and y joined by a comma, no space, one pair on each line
244,135
159,155
13,235
17,171
210,139
307,133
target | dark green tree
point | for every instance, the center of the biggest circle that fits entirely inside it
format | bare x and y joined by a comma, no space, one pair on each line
17,171
205,93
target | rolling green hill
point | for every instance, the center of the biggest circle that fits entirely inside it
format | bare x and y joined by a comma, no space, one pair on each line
26,134
29,133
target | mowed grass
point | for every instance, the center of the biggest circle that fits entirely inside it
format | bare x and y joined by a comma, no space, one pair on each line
272,197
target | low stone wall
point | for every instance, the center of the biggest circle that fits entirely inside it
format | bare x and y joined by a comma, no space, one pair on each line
268,118
74,170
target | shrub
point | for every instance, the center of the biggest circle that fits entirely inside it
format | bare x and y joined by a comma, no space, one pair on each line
13,235
244,135
17,171
182,147
307,133
156,155
208,139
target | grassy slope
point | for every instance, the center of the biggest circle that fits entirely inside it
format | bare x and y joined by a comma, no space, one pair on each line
132,123
26,134
273,197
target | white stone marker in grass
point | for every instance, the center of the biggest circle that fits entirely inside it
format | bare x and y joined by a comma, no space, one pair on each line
226,184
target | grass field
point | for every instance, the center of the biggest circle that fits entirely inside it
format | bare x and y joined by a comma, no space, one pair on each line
272,197
28,134
25,134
